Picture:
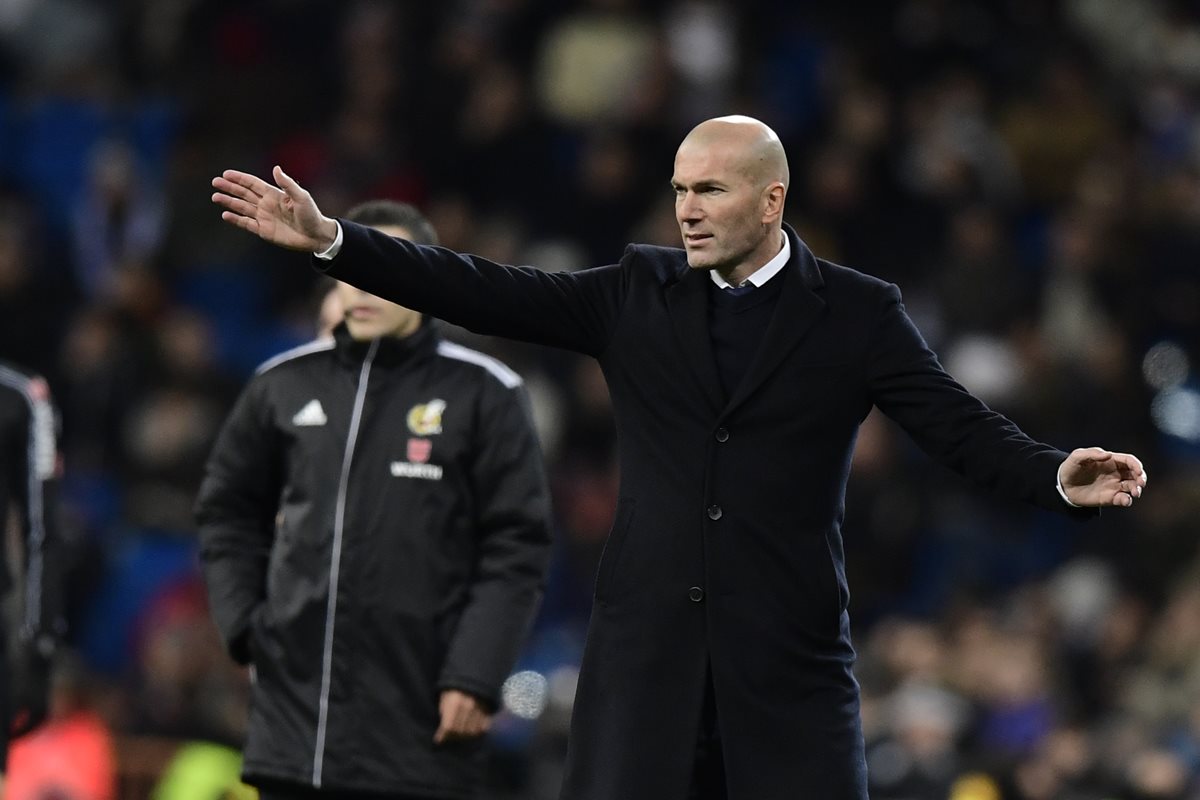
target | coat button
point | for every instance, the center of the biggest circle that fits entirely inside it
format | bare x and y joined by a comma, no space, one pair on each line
722,435
714,511
695,594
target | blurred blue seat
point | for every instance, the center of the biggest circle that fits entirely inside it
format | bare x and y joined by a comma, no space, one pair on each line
229,294
140,565
235,299
55,138
93,498
151,130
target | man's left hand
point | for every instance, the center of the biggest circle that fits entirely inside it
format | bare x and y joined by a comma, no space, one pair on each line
463,717
1093,476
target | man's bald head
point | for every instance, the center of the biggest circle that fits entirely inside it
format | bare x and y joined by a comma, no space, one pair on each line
756,147
730,182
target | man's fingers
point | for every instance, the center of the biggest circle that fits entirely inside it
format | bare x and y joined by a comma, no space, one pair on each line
1132,475
451,727
1131,487
1127,461
1131,472
251,183
1091,455
245,223
449,711
239,190
235,205
285,182
476,723
223,200
460,719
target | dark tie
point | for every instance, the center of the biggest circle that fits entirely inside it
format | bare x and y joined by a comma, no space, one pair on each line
738,291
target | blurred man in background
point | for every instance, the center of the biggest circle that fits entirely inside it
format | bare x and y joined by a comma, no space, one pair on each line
375,532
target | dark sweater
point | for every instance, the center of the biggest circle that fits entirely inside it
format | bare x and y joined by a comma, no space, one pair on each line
737,325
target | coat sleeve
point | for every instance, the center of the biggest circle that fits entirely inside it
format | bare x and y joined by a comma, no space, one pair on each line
36,470
571,310
954,427
513,533
235,512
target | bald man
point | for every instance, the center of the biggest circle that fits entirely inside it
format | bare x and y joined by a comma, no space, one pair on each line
718,661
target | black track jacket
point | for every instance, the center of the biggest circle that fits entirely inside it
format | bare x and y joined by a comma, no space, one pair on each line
375,528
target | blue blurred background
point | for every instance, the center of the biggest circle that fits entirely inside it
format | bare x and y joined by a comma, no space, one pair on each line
1028,171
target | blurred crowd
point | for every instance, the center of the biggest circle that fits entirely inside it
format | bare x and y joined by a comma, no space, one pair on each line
1028,171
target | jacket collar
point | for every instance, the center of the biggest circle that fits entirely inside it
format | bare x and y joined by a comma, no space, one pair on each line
799,306
391,351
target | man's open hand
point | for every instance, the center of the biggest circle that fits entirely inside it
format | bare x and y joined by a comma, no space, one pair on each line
1092,477
285,215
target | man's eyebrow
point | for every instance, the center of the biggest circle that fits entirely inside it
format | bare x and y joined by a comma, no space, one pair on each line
705,183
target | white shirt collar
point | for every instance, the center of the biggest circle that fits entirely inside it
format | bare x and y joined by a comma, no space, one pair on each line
764,273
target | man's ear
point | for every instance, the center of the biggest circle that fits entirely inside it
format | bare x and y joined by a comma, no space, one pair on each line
773,197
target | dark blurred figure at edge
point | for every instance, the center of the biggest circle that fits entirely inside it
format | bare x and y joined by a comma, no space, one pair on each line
29,470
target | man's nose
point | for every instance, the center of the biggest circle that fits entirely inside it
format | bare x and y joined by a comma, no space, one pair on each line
688,209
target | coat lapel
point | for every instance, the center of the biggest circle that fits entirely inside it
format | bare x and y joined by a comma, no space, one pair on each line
798,308
687,303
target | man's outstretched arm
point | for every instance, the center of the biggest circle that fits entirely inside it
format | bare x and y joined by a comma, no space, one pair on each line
573,310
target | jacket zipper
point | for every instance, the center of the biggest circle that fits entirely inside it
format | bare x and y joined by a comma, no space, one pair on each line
339,522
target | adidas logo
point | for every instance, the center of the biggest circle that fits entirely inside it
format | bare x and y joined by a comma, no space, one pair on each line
311,415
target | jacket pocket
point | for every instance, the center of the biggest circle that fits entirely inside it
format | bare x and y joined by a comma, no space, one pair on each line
834,590
612,548
810,578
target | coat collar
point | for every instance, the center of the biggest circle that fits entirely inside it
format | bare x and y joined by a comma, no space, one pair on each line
799,306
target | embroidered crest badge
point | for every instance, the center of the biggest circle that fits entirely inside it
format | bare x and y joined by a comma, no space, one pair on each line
426,419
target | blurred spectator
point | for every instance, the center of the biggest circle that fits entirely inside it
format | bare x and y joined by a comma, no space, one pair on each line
118,224
974,285
33,298
920,758
185,686
105,368
362,150
72,755
954,152
703,48
203,771
596,64
1055,130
